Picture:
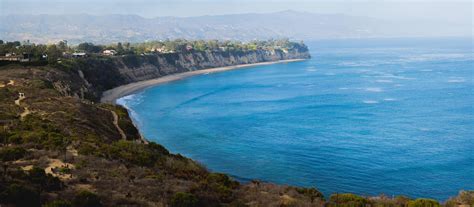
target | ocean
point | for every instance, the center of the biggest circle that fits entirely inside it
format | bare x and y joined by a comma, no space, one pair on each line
368,116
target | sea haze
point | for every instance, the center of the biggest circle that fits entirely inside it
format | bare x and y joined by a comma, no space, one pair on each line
391,116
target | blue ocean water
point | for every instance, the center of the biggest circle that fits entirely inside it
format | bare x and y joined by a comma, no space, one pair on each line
392,116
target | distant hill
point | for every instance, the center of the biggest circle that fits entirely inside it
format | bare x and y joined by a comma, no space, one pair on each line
295,25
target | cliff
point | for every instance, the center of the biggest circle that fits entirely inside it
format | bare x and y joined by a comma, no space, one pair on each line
134,69
99,74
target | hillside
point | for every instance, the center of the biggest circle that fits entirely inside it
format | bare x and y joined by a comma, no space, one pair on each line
132,28
61,148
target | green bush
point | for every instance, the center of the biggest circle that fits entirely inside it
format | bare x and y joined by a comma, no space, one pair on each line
20,196
135,153
221,179
215,188
12,153
14,138
181,199
347,200
44,181
58,203
86,199
423,202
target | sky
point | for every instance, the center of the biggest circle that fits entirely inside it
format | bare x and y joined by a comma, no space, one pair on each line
439,10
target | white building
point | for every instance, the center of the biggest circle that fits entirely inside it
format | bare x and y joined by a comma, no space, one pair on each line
109,52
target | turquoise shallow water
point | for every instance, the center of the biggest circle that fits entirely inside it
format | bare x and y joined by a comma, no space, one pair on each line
362,116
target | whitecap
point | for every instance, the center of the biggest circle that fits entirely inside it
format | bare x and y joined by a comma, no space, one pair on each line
456,80
370,102
437,57
389,99
374,89
384,81
396,77
311,70
130,100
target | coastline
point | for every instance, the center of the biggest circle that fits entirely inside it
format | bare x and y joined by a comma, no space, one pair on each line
110,96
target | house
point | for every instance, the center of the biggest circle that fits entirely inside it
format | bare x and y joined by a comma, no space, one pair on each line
109,52
26,57
79,54
10,57
162,50
189,47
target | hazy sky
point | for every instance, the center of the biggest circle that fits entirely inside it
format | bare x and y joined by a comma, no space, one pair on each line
446,10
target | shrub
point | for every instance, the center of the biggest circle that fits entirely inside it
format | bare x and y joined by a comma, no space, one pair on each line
43,180
86,199
58,203
312,193
221,179
20,196
136,153
215,188
86,149
423,202
15,138
402,200
466,197
12,153
181,199
347,199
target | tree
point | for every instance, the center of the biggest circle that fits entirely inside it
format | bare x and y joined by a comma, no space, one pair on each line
119,47
62,46
127,46
53,53
89,47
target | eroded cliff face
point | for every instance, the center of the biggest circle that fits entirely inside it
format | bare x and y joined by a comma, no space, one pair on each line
92,76
134,69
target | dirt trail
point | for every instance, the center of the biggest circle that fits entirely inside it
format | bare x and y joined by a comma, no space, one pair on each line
25,113
115,122
116,119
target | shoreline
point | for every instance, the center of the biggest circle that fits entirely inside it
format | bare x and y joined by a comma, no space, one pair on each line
111,96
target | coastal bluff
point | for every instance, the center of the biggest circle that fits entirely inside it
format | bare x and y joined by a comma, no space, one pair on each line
154,66
102,74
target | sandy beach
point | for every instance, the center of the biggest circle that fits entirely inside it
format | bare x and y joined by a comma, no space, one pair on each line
110,96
